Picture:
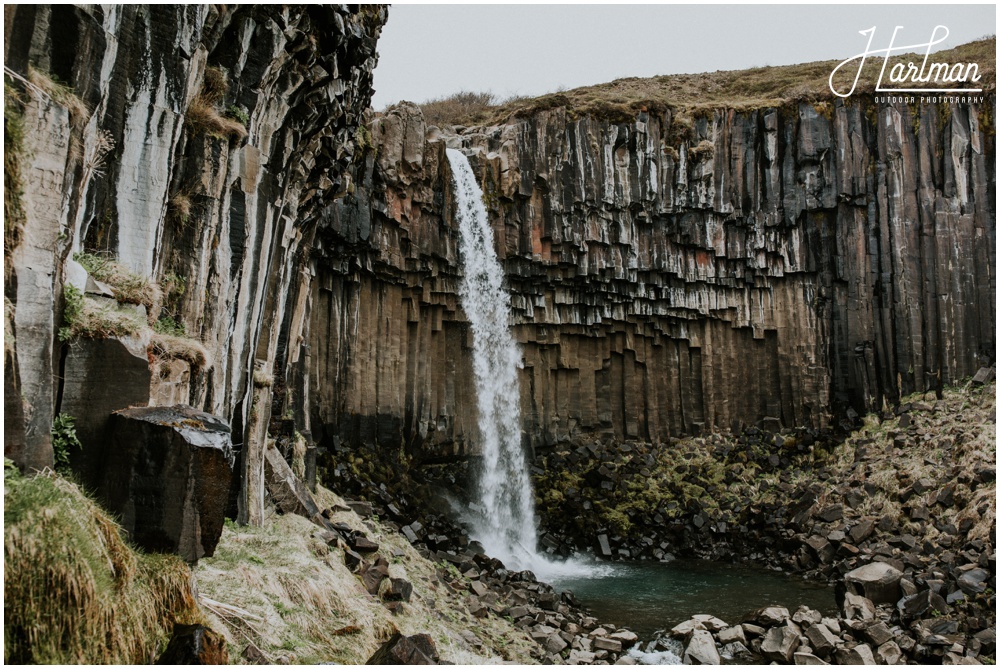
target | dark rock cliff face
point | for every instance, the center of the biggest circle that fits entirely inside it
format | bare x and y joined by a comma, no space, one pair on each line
776,265
772,265
197,145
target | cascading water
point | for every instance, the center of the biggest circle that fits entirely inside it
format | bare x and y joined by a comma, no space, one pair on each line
505,525
507,522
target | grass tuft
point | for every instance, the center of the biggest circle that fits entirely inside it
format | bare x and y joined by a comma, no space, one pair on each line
74,591
178,347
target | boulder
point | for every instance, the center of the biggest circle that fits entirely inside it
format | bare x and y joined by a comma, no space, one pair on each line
605,643
399,590
821,638
399,649
711,623
876,581
195,644
859,654
628,638
732,635
166,476
779,644
684,629
916,605
770,615
889,653
857,607
701,649
807,658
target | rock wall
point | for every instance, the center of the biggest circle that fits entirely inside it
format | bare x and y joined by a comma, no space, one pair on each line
197,145
782,266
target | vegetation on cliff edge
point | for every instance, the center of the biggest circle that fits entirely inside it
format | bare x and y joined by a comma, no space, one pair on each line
753,88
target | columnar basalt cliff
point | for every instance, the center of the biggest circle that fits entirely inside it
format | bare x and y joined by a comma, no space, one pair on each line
779,265
195,146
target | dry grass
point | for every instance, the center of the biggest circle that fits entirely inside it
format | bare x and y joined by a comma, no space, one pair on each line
74,591
172,347
61,94
754,88
292,597
202,116
127,286
462,107
92,319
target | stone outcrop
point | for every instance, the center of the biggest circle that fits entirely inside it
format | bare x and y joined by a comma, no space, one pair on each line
197,145
776,266
166,473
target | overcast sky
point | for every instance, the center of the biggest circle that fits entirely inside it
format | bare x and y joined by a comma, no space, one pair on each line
429,51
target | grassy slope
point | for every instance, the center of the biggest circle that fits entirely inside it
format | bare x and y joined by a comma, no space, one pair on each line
753,88
74,591
299,602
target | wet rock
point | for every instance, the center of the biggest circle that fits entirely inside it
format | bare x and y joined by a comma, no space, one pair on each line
195,644
399,649
779,644
168,481
877,581
701,649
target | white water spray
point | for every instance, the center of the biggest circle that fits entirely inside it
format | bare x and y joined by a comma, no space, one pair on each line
506,525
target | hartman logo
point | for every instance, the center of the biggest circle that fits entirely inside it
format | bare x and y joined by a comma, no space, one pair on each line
909,77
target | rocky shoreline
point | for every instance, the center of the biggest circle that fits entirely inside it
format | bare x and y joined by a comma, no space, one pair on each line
899,517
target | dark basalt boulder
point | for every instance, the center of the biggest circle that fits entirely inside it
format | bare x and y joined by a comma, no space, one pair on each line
166,474
195,644
416,649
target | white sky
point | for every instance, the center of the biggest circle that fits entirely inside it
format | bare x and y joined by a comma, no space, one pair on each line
429,51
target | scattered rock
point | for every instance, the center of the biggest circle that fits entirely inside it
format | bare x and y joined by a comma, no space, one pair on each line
416,649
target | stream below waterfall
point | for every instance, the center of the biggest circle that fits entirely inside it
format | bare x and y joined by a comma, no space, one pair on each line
651,596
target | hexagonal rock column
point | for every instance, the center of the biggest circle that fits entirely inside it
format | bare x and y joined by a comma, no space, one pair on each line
166,474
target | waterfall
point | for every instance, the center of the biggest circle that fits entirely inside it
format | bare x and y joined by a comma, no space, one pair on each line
504,522
506,525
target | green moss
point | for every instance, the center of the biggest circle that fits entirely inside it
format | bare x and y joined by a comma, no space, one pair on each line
13,166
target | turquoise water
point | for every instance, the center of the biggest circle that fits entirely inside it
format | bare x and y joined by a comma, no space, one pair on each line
651,596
